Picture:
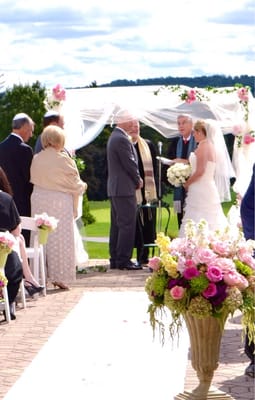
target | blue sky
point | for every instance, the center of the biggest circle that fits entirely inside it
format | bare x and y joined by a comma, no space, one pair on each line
76,42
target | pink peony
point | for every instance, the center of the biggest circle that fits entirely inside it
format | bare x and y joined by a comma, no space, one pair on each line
214,274
204,256
221,248
154,263
210,291
177,292
225,264
233,278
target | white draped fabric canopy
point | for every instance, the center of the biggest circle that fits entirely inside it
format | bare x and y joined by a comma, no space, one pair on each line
87,111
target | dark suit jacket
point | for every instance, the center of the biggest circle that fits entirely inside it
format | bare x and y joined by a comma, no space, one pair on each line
15,159
247,209
123,174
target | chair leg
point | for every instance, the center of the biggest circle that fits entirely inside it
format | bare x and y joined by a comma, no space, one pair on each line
23,294
6,304
42,270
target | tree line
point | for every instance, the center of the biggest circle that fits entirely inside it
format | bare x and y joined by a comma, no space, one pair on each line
30,99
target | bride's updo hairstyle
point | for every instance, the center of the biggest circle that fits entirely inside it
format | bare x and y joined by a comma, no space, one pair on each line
200,126
53,136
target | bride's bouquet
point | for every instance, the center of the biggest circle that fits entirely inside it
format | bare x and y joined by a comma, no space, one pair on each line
178,173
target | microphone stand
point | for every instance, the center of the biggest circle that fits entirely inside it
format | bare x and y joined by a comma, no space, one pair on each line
159,188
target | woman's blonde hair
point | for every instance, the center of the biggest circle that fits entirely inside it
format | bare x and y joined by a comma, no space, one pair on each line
200,126
53,136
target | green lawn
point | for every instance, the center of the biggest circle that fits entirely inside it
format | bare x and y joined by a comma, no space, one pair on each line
101,212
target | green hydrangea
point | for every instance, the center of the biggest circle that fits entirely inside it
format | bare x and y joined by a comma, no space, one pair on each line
234,299
200,307
243,269
174,305
199,284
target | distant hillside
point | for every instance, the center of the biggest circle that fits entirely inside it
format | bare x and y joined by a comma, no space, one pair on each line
200,81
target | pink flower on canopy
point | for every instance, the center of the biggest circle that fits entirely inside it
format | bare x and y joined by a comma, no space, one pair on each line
237,130
221,248
204,256
191,96
242,93
233,278
59,93
214,274
248,138
154,263
177,292
210,291
190,272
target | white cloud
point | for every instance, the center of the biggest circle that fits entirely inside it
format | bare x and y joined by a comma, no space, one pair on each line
75,43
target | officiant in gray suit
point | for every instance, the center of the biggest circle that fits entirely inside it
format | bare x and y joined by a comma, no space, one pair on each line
123,180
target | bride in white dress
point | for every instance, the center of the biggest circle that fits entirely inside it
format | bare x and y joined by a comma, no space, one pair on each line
209,183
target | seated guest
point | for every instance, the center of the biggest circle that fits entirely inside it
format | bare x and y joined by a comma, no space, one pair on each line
57,187
10,220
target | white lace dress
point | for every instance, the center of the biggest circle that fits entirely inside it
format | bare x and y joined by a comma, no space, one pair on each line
203,201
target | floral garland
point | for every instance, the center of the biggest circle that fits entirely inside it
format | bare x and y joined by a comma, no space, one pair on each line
243,134
55,98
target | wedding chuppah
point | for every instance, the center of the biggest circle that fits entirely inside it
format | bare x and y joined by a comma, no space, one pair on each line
88,110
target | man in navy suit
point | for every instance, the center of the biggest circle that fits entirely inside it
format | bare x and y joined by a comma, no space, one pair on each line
15,159
123,180
248,223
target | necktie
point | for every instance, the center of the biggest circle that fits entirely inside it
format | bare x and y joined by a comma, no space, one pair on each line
185,141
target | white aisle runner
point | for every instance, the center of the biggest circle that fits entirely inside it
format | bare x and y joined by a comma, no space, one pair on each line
104,349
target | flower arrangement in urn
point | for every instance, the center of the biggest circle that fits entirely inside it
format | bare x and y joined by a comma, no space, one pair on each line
207,274
46,225
178,173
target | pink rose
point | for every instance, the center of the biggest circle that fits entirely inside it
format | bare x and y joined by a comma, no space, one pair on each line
154,263
214,274
210,291
177,292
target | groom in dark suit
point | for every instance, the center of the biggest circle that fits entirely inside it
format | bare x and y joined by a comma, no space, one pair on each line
123,180
181,148
15,159
248,223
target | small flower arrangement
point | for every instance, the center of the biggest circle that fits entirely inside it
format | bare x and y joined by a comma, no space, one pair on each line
45,222
178,173
205,274
3,283
7,241
55,98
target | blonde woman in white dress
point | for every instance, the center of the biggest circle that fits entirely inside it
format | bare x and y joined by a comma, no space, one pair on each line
57,187
209,183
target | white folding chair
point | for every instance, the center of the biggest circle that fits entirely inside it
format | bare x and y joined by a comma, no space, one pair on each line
5,305
36,252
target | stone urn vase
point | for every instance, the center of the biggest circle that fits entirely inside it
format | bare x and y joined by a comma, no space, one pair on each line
205,339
